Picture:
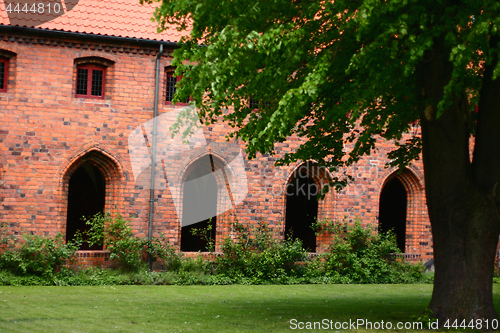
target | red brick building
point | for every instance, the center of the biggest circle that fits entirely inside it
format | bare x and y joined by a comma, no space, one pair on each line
74,89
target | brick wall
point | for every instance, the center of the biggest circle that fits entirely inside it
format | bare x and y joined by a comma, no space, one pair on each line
46,133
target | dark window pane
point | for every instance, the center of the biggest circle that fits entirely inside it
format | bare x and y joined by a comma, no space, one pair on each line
81,81
2,75
97,76
257,104
254,104
171,81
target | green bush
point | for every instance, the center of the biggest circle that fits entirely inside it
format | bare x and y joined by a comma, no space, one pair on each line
35,254
115,234
255,254
162,249
358,255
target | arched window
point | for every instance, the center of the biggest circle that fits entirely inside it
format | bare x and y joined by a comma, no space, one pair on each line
86,197
90,183
302,208
199,204
392,210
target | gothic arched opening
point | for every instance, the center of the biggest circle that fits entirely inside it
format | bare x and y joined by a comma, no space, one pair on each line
392,210
86,197
199,205
302,210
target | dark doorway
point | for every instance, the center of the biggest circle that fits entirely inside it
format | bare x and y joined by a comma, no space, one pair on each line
86,193
392,210
199,206
302,211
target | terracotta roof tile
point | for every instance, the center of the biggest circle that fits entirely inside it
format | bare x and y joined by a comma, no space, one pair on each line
119,18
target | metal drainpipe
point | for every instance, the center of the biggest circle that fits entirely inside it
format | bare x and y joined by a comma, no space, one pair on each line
153,154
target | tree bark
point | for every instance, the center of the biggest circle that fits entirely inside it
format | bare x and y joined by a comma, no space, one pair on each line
461,195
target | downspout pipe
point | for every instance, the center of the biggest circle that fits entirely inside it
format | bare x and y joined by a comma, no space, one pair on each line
153,155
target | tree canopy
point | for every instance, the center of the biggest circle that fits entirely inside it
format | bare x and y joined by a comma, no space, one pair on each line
320,67
346,72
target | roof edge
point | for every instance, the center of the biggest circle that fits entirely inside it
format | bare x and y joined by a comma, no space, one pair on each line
59,33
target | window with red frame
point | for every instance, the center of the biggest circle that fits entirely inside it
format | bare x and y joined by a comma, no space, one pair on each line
171,85
90,81
4,66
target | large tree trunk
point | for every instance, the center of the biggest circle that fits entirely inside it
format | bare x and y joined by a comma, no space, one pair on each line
465,238
462,196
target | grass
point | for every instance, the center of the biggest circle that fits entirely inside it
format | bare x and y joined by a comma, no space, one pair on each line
235,308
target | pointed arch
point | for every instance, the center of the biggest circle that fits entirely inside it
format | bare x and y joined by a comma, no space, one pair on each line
86,197
400,200
202,196
302,206
97,173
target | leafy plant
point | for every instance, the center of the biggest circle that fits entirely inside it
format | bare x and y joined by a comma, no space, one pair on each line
322,226
161,248
257,255
358,255
5,236
206,235
115,233
36,254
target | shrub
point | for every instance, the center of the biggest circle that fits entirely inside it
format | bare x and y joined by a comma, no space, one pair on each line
36,254
255,254
5,236
115,234
162,249
358,255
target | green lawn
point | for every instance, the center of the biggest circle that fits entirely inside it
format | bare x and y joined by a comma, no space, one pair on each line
233,308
